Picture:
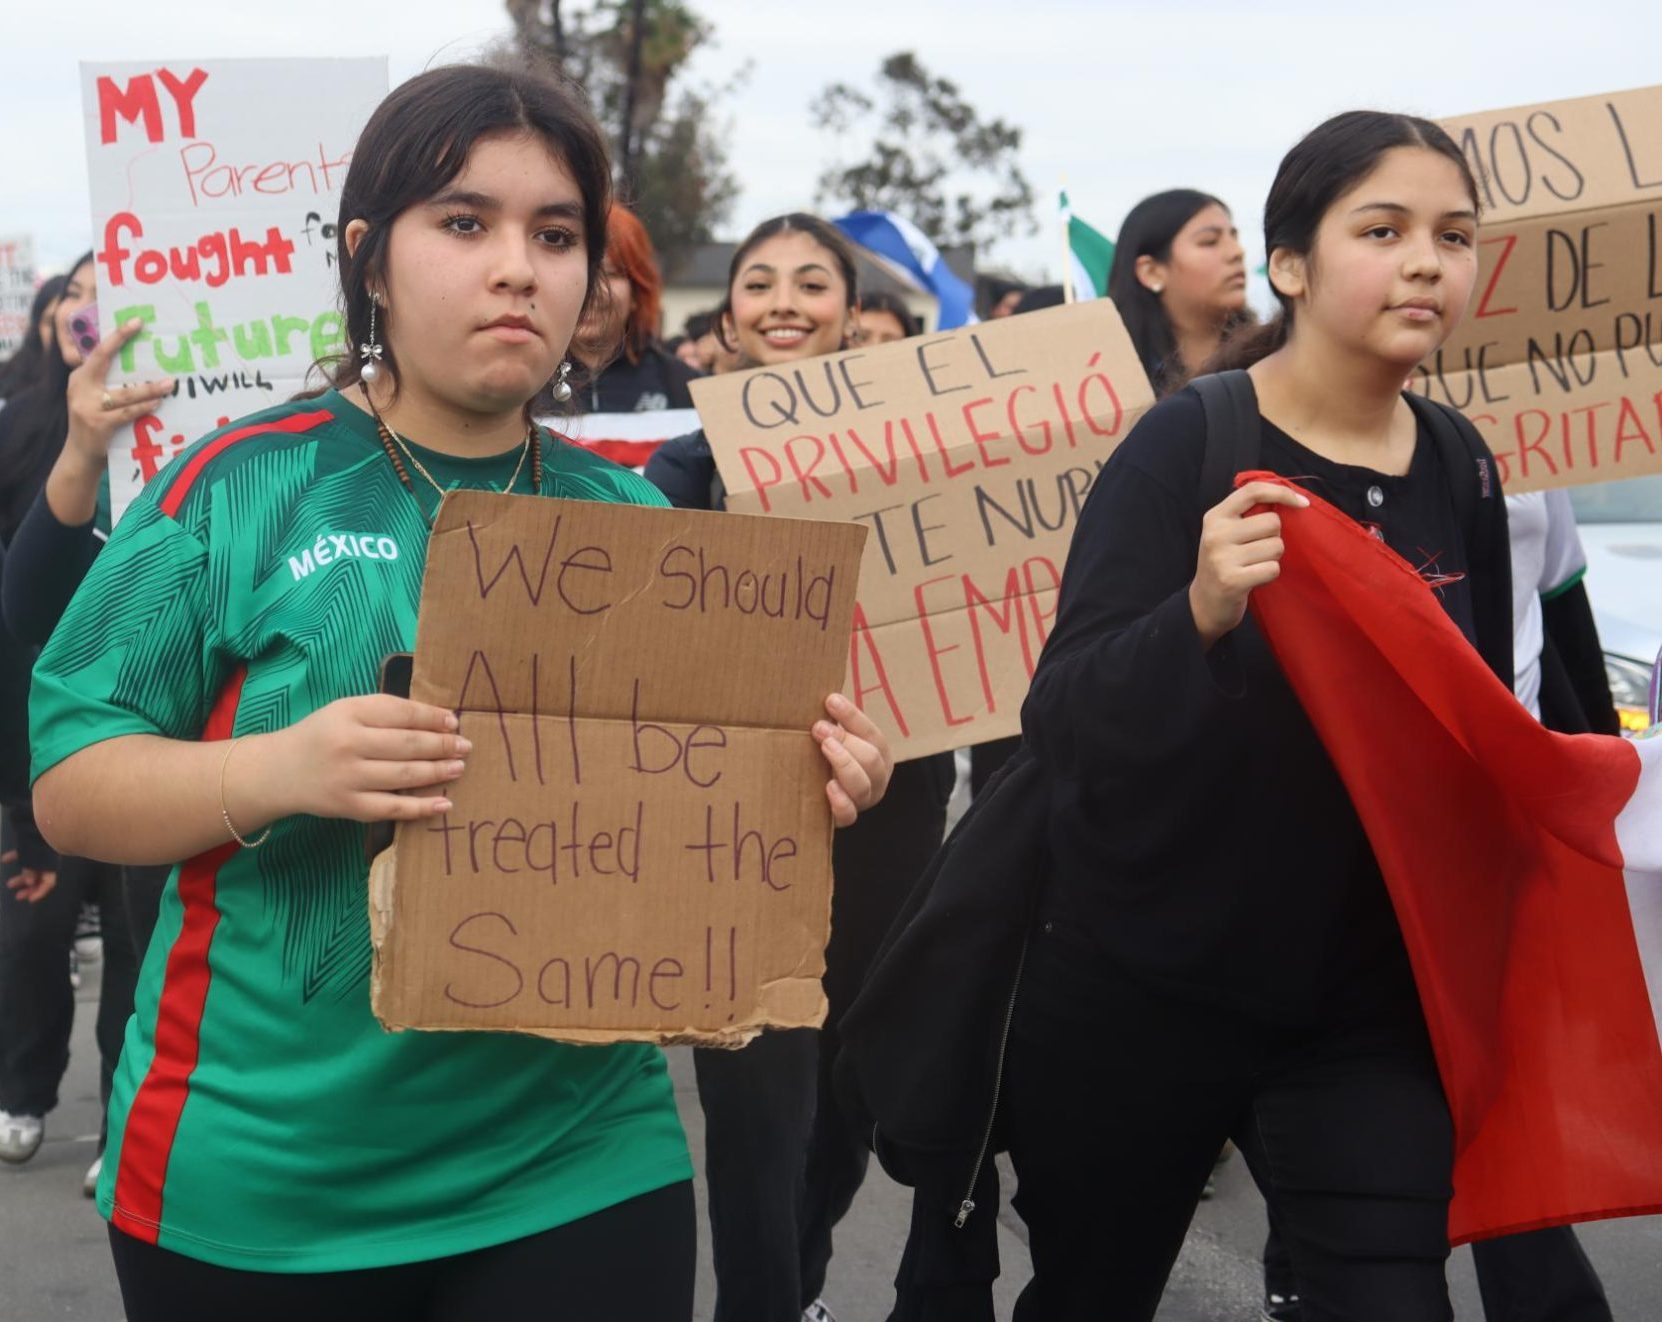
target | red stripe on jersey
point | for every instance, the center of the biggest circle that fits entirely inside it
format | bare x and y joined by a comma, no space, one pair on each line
153,1117
188,473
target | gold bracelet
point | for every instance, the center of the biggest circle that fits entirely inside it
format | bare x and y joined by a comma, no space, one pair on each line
225,812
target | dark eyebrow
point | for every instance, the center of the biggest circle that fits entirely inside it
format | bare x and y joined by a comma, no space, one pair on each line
461,197
765,269
561,210
1397,209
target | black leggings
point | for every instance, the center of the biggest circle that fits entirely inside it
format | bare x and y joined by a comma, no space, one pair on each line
37,1003
630,1263
1117,1099
782,1164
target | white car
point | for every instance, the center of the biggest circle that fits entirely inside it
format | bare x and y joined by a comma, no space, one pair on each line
1621,530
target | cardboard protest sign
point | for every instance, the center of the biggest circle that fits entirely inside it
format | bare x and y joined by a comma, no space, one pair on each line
215,194
969,455
17,290
1559,361
640,848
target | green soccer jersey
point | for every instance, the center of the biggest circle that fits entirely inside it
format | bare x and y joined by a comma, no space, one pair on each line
261,1117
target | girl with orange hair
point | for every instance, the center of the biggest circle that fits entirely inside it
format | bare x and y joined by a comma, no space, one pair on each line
628,368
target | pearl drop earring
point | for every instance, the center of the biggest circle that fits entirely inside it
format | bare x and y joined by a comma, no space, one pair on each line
370,352
562,387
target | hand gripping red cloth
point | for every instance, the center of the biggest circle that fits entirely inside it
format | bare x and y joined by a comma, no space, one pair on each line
1526,871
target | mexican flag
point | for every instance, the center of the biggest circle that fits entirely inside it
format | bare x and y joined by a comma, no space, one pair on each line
1526,871
1090,254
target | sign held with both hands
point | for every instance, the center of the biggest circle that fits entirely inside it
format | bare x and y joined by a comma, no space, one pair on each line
640,848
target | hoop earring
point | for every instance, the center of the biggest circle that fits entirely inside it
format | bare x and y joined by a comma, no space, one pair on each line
562,387
370,352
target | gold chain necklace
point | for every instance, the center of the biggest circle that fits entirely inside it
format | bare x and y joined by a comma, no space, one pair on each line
533,448
432,482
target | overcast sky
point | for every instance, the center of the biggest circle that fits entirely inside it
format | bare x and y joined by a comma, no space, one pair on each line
1121,99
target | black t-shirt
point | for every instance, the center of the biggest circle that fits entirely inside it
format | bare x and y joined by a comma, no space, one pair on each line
1199,832
656,380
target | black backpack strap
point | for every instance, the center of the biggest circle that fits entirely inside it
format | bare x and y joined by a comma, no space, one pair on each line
1232,437
1480,508
1468,464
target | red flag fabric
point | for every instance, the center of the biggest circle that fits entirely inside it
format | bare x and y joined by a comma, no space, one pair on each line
629,439
1508,853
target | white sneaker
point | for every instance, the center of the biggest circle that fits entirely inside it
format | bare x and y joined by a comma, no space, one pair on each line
20,1137
89,1182
818,1312
1282,1308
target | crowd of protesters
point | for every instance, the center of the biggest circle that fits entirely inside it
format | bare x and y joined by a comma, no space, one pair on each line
1185,991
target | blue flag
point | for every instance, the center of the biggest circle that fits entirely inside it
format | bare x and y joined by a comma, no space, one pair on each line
901,242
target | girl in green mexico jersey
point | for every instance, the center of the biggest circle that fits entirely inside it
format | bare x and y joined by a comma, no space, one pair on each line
210,695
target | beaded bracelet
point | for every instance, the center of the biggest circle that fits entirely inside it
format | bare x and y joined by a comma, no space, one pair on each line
225,812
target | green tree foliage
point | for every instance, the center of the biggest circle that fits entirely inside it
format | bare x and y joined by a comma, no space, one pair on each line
630,57
933,159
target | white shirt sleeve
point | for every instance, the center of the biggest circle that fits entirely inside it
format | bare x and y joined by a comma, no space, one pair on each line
1564,562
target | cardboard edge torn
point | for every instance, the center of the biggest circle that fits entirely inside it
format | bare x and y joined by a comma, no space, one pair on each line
803,990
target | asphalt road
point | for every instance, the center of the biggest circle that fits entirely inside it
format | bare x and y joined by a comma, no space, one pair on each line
54,1262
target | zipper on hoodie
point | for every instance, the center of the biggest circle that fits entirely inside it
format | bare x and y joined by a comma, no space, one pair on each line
967,1206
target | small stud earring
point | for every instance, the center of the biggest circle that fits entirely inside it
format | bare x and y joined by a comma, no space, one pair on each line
370,352
1157,289
562,387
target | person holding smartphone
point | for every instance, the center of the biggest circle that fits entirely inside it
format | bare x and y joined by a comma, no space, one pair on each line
68,410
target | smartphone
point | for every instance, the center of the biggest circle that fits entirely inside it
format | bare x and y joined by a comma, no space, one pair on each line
396,672
83,328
